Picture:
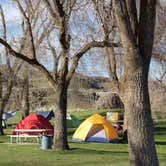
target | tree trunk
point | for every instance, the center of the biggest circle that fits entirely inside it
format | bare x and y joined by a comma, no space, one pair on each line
135,81
1,126
139,121
1,109
60,126
25,98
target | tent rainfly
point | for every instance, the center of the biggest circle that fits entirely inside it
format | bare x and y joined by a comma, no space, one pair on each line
47,114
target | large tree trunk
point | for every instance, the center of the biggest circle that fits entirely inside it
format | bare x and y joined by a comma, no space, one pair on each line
135,82
139,122
60,126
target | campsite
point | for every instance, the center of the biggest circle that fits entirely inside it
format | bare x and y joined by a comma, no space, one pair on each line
82,82
82,153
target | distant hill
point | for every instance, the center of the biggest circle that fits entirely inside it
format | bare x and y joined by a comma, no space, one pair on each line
84,92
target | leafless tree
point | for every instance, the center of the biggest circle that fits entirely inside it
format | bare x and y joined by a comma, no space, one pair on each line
64,65
137,34
108,24
137,44
32,23
11,72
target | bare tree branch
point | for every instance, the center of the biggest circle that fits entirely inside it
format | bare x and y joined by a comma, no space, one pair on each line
51,10
4,36
33,62
59,7
56,59
107,20
35,14
105,16
146,28
112,67
64,37
46,32
28,26
132,11
159,57
84,49
72,4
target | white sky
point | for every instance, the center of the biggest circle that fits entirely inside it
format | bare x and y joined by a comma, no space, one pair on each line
12,14
13,18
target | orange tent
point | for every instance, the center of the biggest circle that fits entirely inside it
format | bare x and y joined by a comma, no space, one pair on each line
95,129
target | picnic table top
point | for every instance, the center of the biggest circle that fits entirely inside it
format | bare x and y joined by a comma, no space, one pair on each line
31,130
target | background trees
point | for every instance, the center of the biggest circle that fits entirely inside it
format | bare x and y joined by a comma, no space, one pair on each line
48,29
8,70
64,61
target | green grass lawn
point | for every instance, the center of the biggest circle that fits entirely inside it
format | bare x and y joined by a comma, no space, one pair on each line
88,154
80,154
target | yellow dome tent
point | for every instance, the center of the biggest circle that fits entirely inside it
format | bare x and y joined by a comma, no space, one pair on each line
95,129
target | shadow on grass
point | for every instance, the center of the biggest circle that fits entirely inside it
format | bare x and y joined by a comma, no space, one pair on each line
160,142
71,131
120,141
95,151
159,131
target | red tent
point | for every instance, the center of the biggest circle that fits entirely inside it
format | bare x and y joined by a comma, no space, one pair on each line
35,121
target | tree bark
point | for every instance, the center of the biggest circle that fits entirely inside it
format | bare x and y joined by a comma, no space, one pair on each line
139,122
60,127
1,113
25,98
1,110
135,85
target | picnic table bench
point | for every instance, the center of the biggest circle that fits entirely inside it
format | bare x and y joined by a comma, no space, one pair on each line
28,133
25,136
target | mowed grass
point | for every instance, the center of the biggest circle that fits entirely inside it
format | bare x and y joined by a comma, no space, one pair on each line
80,154
88,154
